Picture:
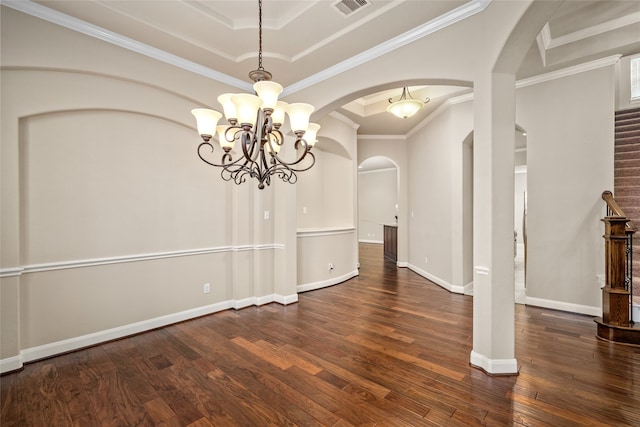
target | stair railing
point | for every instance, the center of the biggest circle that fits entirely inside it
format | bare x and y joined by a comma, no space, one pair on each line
616,215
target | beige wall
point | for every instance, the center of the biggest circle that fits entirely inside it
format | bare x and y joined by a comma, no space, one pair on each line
396,150
570,163
111,224
439,198
326,205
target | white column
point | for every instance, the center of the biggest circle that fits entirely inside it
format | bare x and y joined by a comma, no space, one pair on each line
493,301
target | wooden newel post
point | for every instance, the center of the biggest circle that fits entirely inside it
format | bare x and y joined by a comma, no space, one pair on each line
615,296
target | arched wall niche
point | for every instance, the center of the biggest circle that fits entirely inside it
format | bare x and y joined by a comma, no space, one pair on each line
326,192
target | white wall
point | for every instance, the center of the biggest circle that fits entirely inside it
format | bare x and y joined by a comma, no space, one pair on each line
570,164
377,201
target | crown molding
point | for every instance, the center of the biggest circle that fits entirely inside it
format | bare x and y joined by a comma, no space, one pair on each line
443,21
569,71
441,108
379,137
39,11
344,119
551,42
80,26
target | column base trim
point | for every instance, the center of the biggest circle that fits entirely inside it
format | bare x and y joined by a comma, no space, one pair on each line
496,367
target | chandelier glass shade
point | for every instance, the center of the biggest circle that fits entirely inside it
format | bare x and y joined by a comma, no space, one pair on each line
250,144
406,106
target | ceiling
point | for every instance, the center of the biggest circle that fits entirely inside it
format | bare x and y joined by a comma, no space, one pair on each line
223,36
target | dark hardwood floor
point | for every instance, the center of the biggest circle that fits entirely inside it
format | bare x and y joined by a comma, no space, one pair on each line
388,348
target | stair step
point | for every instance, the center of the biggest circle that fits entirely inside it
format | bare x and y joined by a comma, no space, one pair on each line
626,163
627,191
628,200
625,125
626,181
624,134
627,112
627,140
627,155
628,171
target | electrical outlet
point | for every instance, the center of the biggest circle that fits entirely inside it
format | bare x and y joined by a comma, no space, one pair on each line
266,214
206,288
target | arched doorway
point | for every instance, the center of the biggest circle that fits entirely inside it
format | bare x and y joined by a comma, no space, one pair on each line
377,197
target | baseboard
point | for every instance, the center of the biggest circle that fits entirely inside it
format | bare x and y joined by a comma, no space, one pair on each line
329,282
402,264
468,289
377,242
47,350
494,366
10,364
563,306
456,289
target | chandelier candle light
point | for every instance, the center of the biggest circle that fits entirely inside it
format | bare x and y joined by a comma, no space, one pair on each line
254,125
406,106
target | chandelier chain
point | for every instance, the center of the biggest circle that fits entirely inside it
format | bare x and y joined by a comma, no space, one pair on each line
260,67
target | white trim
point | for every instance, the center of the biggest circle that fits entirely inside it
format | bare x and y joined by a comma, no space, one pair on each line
379,170
92,262
43,12
381,137
481,270
542,78
468,288
376,242
569,71
436,24
11,272
326,283
319,232
594,30
10,364
456,289
285,299
239,304
344,119
563,306
402,264
441,108
494,366
75,343
520,169
541,42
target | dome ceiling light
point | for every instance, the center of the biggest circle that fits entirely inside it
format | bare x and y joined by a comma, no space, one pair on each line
406,106
254,129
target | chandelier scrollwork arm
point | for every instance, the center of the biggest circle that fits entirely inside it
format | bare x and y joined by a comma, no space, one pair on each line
257,142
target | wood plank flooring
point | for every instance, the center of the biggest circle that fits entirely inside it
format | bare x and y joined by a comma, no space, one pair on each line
388,348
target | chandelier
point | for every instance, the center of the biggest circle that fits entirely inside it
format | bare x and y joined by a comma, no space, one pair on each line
253,130
406,106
